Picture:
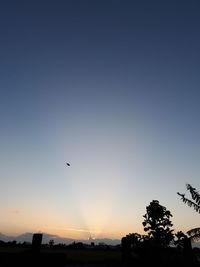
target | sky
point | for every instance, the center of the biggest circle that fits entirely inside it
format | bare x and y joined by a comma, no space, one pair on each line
112,87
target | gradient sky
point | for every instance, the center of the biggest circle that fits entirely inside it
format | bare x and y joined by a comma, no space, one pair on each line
111,87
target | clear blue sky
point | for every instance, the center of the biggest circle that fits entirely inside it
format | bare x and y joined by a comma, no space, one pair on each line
111,87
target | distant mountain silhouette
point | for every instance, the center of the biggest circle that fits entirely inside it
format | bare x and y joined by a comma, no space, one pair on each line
27,237
6,238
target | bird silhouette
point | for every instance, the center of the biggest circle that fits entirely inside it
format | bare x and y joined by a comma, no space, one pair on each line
67,163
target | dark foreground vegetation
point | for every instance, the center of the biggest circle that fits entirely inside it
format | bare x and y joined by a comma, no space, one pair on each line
60,255
160,246
137,254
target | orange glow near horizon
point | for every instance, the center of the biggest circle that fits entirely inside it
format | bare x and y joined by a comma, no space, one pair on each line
17,223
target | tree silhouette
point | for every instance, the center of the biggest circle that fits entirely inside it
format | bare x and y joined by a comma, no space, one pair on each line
195,203
51,243
157,223
180,237
134,239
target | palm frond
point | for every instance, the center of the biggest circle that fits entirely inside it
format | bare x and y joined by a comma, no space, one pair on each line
194,193
194,231
194,234
189,202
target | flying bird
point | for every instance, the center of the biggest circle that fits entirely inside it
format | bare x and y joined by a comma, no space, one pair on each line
67,163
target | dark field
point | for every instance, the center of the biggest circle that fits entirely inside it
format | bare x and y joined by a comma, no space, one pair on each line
58,257
97,257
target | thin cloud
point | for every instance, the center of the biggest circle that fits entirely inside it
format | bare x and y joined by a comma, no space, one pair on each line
77,230
73,229
15,211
